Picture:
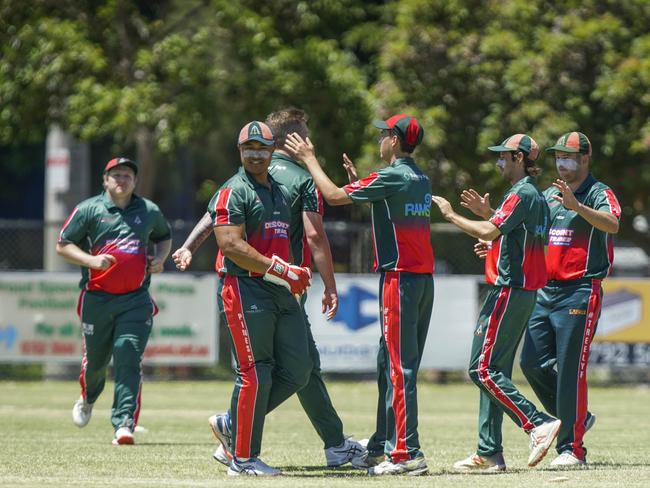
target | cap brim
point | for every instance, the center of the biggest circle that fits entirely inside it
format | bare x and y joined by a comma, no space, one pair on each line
266,142
501,149
380,124
563,149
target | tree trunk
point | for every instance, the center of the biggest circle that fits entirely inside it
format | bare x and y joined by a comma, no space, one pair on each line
146,147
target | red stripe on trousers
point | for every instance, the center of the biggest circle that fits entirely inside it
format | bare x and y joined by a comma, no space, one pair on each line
138,401
392,331
84,360
241,339
593,310
486,354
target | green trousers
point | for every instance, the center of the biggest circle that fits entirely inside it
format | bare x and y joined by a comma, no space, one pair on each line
406,303
116,326
271,352
556,352
315,399
501,323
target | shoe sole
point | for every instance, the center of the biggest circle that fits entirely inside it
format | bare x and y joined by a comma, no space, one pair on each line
225,461
224,442
540,456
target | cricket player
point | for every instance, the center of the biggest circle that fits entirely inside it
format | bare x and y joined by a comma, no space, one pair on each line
584,215
400,195
308,238
516,270
108,236
257,294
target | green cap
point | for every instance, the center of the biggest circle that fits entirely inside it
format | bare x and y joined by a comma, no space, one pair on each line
519,142
572,142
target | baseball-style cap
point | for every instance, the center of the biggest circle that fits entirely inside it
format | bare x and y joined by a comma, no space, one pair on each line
405,126
119,162
573,142
256,131
519,142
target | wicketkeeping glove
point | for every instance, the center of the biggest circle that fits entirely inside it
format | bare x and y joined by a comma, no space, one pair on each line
293,278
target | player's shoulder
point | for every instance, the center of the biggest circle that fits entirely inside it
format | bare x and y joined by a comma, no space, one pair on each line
149,205
91,205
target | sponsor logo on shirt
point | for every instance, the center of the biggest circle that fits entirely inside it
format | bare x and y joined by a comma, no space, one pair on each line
108,218
87,329
419,209
137,220
127,246
560,237
577,311
276,228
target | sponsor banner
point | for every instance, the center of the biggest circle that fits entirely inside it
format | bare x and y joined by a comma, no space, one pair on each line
623,331
39,323
349,342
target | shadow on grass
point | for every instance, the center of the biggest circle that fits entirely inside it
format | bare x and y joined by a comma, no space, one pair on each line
322,471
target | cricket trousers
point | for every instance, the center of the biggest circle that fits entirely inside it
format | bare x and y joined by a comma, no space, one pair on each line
116,326
315,399
556,352
501,323
271,353
406,302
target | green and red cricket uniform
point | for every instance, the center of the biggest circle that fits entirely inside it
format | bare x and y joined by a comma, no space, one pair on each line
114,306
515,268
400,195
265,321
560,331
305,197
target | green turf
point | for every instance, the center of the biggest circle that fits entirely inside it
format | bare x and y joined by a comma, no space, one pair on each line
41,447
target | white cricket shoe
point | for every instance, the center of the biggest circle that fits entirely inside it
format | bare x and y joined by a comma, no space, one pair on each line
223,456
410,467
81,412
567,460
350,451
541,438
366,461
220,425
251,467
483,464
123,437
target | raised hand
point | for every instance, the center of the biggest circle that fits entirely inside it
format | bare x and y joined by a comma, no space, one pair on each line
479,205
350,169
300,149
567,198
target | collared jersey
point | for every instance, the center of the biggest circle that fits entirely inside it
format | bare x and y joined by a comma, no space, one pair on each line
401,206
516,257
576,249
304,197
264,212
98,226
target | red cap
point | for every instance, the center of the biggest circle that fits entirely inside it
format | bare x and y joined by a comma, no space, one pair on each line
121,161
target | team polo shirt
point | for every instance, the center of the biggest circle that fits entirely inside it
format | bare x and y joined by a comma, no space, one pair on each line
98,226
516,257
576,249
264,212
400,195
304,197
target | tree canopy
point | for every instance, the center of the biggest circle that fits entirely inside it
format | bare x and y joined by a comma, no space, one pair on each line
160,77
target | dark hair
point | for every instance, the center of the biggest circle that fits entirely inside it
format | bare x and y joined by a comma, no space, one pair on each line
530,167
403,146
286,121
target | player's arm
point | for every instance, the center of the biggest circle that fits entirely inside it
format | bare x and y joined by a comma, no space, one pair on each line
322,255
303,150
604,221
161,250
183,255
230,239
482,229
75,255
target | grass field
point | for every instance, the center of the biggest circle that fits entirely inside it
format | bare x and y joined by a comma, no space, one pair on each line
41,447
